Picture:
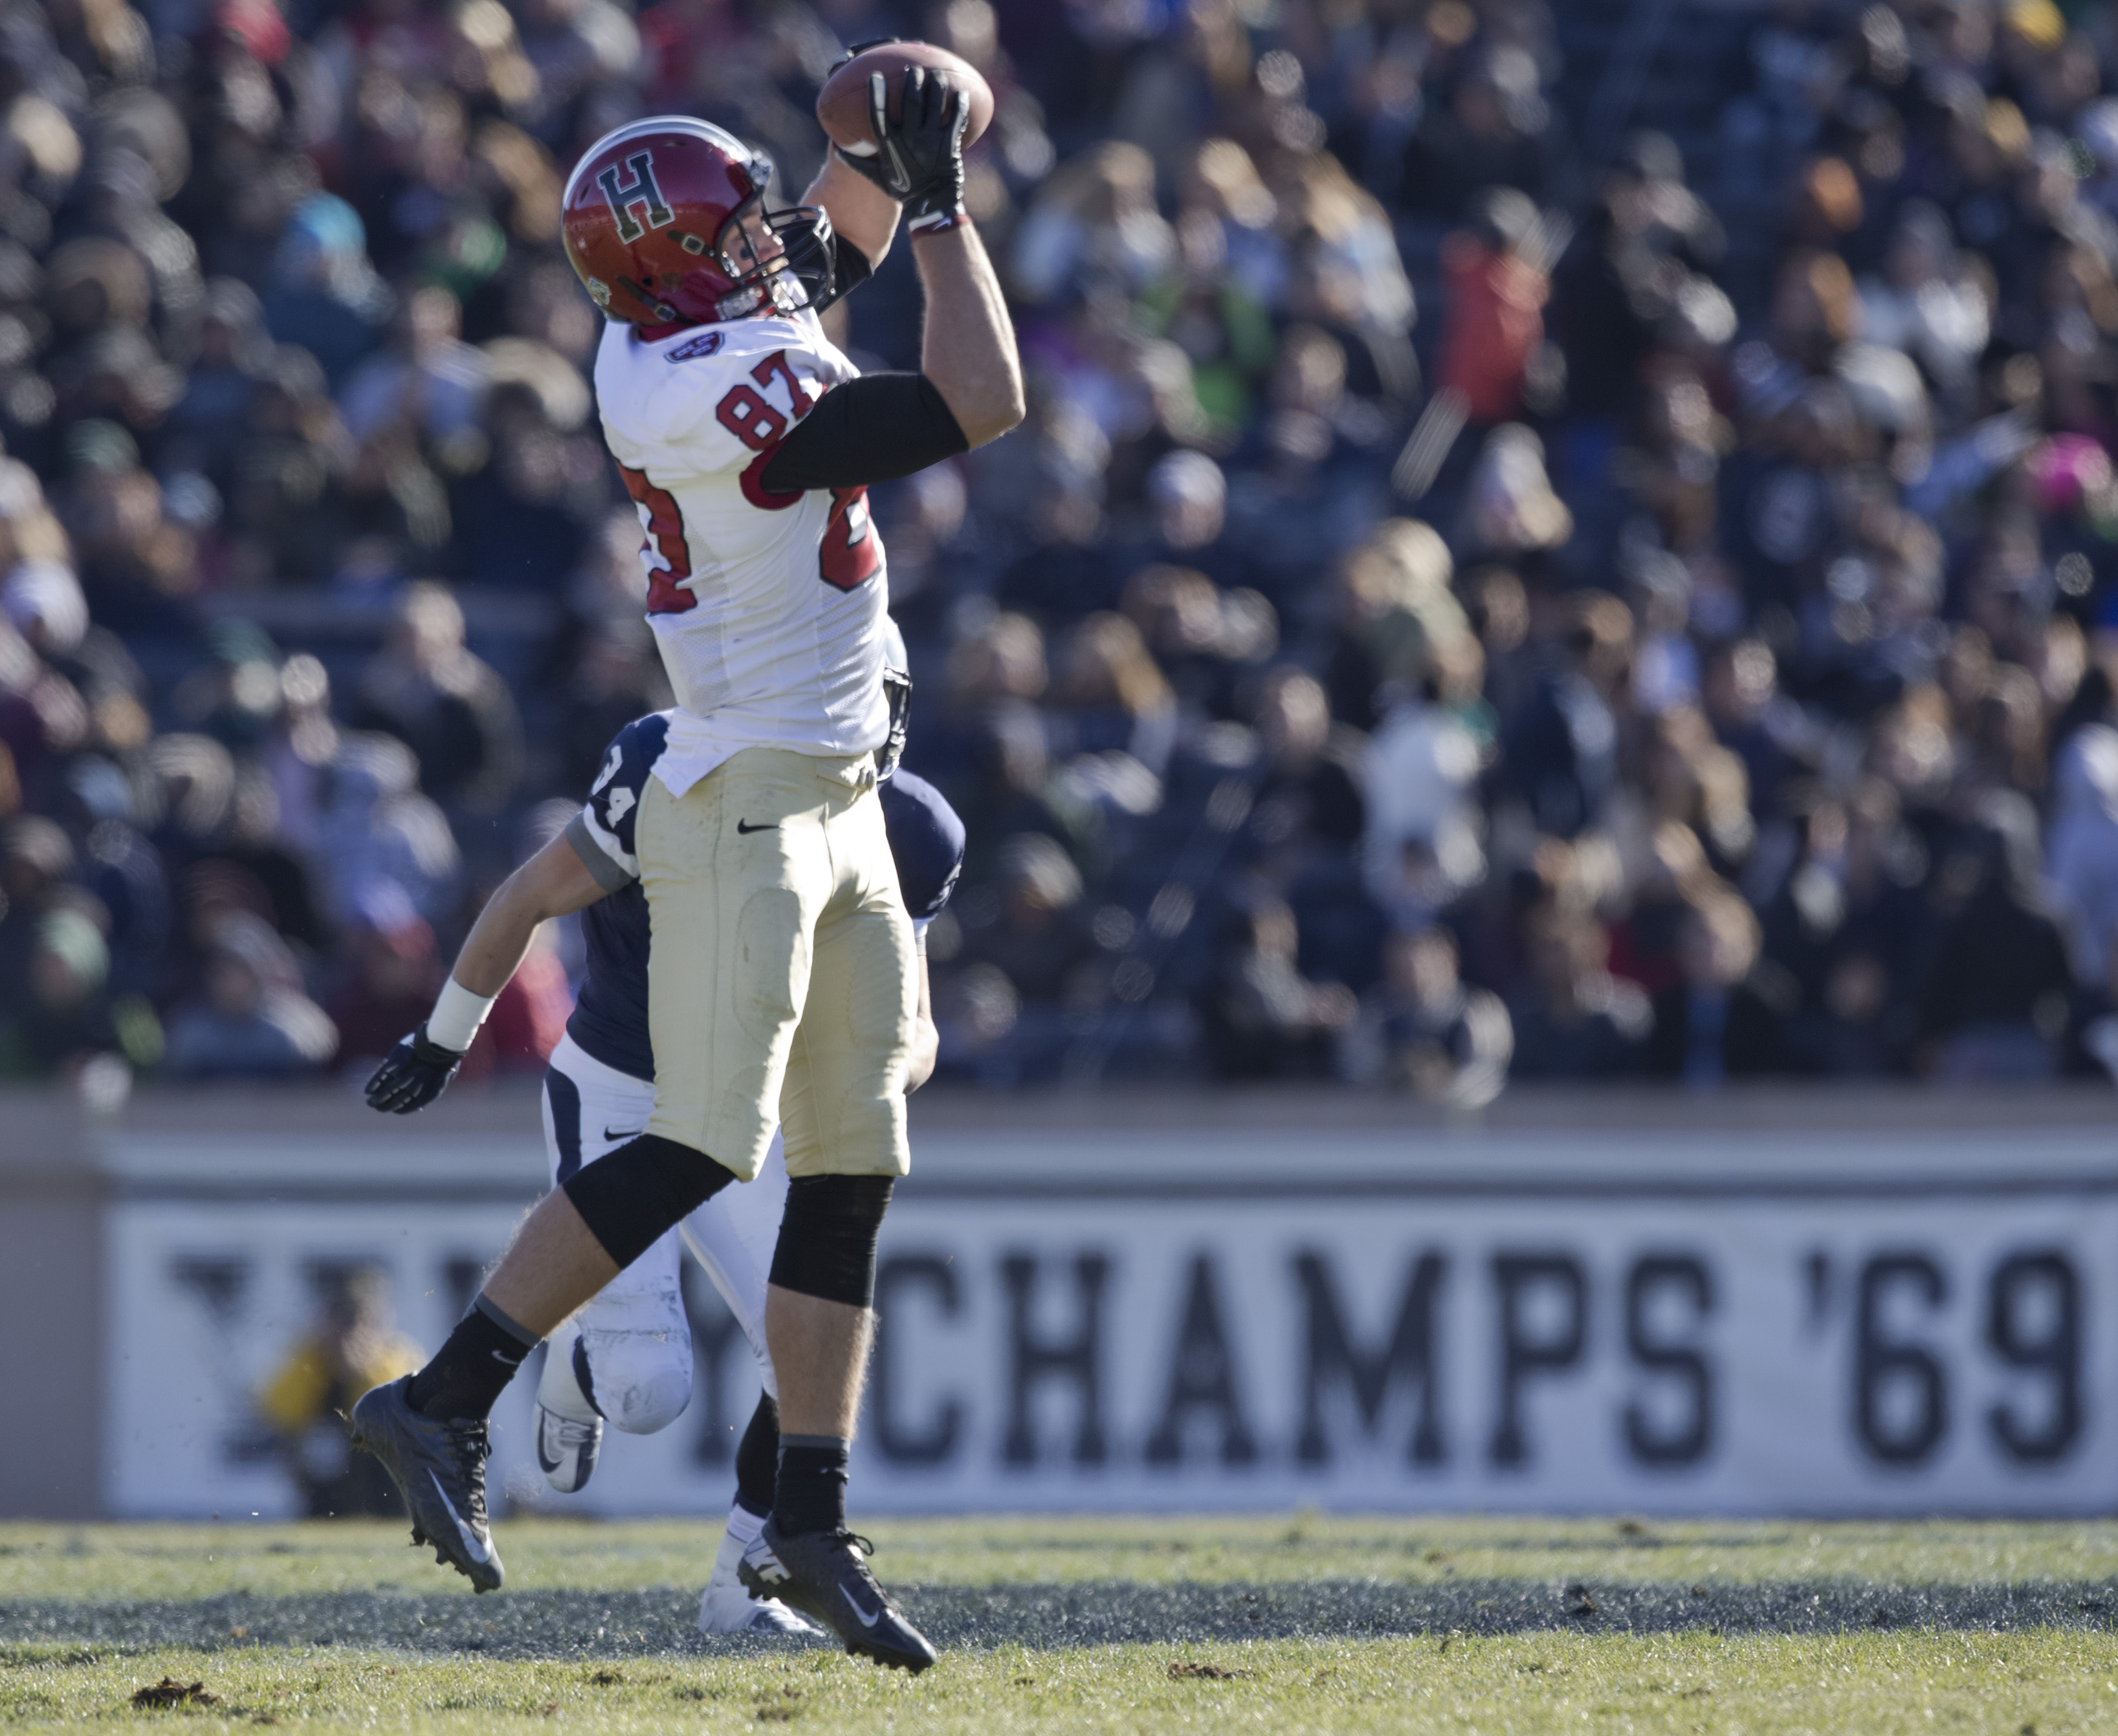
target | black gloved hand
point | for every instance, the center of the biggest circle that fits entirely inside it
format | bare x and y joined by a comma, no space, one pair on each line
417,1071
919,157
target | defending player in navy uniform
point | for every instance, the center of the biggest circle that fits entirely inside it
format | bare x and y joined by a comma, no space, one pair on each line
625,1357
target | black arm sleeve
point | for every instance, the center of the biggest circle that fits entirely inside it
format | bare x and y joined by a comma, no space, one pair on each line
874,429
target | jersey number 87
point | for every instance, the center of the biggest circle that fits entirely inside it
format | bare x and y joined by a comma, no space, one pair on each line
848,554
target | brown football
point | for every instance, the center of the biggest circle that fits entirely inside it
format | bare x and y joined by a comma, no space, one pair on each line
842,104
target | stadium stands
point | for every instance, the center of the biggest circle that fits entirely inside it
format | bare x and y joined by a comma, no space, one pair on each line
1552,541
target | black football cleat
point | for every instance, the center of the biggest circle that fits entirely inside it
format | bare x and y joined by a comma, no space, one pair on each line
822,1574
438,1465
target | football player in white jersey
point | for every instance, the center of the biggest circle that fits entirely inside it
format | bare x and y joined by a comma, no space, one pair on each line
781,984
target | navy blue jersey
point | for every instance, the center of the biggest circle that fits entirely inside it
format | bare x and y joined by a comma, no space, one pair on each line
610,1019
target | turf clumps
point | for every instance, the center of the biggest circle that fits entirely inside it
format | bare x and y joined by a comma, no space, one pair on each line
170,1692
1188,1671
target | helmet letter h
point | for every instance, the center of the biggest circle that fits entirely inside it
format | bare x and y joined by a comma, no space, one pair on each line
642,191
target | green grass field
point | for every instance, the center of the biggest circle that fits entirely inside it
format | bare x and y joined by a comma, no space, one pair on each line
1297,1623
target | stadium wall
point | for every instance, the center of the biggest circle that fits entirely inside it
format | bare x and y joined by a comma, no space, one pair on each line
1779,1302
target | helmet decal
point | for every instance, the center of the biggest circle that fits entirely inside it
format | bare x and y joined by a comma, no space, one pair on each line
664,221
642,191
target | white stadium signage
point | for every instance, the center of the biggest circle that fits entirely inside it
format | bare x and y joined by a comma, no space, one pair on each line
1740,1323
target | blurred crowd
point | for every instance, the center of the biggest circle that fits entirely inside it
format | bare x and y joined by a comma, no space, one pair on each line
1489,587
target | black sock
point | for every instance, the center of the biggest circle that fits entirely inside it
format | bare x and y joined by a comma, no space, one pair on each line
757,1459
812,1494
469,1373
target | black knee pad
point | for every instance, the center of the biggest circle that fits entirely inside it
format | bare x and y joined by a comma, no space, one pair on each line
630,1197
826,1246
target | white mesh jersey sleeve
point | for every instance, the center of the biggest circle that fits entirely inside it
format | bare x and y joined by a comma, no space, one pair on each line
768,608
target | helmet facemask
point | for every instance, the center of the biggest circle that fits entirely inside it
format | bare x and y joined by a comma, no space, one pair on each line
778,261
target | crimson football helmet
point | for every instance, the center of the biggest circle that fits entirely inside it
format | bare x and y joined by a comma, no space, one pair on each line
665,222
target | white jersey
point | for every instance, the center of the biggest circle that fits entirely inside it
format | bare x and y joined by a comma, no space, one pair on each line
769,609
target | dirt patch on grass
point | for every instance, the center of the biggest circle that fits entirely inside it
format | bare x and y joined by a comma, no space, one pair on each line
170,1692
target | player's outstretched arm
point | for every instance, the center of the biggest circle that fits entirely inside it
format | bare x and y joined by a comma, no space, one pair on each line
860,211
555,882
967,348
969,391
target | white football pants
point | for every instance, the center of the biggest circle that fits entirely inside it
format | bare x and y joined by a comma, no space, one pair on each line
636,1336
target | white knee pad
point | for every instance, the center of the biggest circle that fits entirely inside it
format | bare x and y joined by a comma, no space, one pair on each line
641,1381
636,1343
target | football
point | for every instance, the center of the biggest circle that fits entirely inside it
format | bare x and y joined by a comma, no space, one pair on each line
842,105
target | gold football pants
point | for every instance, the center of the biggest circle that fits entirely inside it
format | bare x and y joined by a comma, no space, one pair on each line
781,981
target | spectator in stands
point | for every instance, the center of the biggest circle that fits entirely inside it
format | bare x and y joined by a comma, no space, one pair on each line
1495,130
1496,297
1109,697
393,973
1720,1020
326,297
2084,849
1094,223
427,381
1560,753
1806,554
1925,303
1031,932
1264,1018
250,1019
1574,1021
353,1347
373,824
1422,1030
60,1012
1994,1004
1395,614
444,703
1311,786
1419,770
1645,235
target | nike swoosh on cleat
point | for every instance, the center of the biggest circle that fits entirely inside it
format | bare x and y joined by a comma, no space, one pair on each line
866,1620
744,827
477,1551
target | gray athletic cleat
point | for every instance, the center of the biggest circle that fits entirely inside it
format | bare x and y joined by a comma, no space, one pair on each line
438,1465
822,1574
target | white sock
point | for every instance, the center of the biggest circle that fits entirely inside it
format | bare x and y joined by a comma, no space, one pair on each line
743,1525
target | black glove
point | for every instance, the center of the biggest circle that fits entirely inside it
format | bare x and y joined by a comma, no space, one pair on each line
919,157
416,1072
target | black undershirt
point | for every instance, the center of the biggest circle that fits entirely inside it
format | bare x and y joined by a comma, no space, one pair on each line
874,429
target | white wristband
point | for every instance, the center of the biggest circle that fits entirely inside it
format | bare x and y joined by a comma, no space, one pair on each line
456,1016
